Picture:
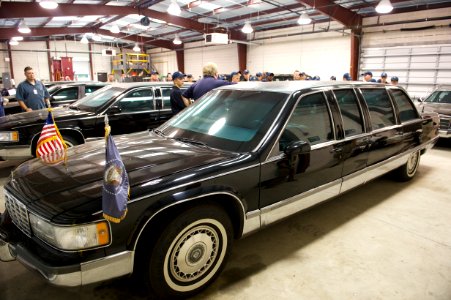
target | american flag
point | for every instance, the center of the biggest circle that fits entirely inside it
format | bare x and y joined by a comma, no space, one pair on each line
51,147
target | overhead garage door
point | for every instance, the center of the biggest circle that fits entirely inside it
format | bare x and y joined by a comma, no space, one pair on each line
420,69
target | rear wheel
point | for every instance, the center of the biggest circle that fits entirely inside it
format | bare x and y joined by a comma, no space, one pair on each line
70,141
407,171
190,252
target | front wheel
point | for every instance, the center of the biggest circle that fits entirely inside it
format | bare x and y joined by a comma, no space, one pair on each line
407,171
190,252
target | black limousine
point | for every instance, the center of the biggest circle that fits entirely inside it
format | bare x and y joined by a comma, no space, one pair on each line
131,107
237,160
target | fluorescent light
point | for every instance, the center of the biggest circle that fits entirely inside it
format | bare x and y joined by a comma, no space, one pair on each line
96,37
136,48
177,40
115,29
23,28
84,40
304,19
384,7
48,4
13,42
17,38
174,8
247,28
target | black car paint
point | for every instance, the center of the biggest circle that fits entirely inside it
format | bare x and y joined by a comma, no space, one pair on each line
165,173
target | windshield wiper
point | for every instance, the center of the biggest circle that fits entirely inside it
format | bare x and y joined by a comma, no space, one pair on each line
158,131
190,141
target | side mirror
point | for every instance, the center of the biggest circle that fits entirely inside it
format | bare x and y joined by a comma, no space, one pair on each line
113,110
297,147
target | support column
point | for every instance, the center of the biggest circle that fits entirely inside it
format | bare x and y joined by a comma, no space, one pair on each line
10,61
356,35
180,54
90,63
242,56
49,60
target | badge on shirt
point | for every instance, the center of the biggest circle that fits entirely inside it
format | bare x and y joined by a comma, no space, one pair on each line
35,91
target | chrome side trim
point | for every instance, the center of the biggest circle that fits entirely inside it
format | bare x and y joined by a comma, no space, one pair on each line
183,201
252,222
290,206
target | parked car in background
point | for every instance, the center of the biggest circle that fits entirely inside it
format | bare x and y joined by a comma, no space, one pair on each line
439,101
242,157
131,107
61,93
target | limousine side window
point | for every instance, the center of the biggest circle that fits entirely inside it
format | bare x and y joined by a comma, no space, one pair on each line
166,96
406,109
350,112
137,101
309,122
66,94
380,108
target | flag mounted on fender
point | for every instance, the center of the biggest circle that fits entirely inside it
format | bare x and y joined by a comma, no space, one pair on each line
116,188
51,147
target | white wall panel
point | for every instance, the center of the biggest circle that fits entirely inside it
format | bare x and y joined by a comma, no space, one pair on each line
163,60
31,54
4,65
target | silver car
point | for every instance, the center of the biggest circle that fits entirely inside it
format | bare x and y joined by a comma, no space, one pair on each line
440,102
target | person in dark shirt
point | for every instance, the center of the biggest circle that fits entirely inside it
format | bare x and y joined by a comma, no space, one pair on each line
206,84
31,93
177,101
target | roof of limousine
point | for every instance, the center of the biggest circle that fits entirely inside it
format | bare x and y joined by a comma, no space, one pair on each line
289,87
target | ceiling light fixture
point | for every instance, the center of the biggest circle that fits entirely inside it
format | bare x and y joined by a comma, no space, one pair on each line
304,19
17,38
384,7
48,4
177,40
96,37
84,40
247,28
174,8
13,42
23,28
115,29
136,48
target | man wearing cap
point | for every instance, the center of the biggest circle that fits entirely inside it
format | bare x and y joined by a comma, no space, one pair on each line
177,101
368,77
154,76
246,75
394,80
383,78
189,78
235,77
347,77
259,76
206,84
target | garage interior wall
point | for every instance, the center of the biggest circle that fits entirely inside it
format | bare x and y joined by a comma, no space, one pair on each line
419,53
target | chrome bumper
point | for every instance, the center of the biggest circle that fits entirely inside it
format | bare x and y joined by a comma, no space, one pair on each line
444,133
85,273
19,152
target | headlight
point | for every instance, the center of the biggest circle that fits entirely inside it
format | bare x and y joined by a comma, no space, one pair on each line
75,237
9,136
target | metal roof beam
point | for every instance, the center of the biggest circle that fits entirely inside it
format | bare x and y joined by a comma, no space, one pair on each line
335,12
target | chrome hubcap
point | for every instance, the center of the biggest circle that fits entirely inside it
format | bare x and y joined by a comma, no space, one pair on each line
194,253
412,163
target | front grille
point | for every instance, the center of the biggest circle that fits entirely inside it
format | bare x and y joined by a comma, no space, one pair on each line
18,212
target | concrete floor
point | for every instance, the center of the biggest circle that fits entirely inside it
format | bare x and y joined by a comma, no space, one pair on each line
384,240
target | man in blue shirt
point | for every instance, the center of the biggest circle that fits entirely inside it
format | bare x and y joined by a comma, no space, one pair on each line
31,93
177,102
206,84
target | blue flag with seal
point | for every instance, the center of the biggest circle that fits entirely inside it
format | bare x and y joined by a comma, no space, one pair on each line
116,188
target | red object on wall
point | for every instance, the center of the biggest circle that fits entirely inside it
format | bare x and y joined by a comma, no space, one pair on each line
67,68
57,74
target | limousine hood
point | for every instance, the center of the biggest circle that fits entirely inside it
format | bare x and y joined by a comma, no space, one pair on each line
76,185
38,117
440,108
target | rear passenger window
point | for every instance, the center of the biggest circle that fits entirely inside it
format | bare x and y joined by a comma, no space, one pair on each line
406,109
350,112
136,101
309,122
380,108
166,96
66,94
